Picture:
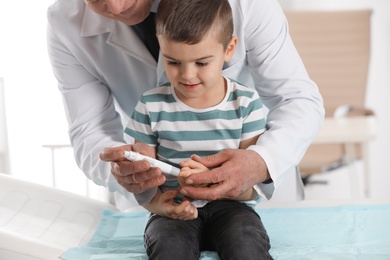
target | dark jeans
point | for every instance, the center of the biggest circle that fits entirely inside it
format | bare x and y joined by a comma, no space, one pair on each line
231,228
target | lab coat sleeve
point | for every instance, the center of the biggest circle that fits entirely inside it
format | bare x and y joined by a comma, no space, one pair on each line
93,121
295,105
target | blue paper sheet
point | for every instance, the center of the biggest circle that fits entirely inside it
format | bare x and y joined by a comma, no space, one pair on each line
343,232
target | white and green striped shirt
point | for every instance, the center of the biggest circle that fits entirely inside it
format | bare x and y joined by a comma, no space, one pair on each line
177,131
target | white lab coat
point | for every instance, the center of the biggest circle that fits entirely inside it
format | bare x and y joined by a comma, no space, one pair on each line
97,60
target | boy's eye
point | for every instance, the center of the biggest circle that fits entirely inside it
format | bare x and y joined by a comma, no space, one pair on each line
172,63
91,1
202,64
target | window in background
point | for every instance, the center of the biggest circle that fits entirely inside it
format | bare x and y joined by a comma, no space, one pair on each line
35,116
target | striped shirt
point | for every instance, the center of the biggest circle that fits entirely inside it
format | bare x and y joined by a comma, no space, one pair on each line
177,131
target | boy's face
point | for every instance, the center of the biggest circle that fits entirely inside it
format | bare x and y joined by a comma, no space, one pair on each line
129,12
195,70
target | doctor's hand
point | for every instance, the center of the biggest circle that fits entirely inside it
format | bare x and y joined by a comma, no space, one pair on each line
135,177
234,172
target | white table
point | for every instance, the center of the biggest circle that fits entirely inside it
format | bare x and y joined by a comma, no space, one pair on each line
350,131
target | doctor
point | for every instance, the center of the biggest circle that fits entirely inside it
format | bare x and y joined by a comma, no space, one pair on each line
104,56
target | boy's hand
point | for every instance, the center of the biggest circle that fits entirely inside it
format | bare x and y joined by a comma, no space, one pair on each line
189,167
163,205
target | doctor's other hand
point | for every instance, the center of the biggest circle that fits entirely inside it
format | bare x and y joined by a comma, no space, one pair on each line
135,177
234,172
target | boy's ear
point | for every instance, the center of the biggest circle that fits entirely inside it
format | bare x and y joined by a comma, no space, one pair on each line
231,48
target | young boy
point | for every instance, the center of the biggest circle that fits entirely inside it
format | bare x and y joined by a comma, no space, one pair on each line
198,112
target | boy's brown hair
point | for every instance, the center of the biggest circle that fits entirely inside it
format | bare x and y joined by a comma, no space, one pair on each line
189,21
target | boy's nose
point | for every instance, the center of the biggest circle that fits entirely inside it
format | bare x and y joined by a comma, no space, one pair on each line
187,72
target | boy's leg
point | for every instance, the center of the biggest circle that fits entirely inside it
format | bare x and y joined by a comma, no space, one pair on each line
172,239
235,231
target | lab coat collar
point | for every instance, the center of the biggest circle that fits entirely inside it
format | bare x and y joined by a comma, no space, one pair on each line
121,36
95,24
155,6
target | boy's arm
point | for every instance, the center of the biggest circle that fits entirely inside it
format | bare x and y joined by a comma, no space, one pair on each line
153,205
251,141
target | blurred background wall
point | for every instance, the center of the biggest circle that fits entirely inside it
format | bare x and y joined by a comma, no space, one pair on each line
378,89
